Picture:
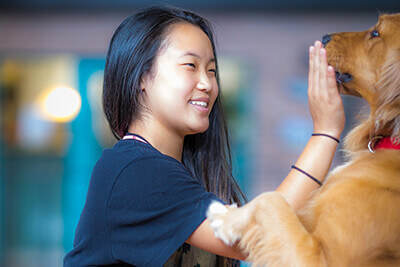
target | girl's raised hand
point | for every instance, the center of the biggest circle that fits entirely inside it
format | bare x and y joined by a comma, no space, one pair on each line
324,101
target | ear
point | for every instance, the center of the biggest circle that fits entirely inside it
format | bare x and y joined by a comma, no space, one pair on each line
144,83
389,83
388,101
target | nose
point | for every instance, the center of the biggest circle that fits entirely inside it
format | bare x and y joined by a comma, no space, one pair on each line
325,39
204,83
343,77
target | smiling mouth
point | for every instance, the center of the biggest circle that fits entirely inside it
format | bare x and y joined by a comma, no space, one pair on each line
199,103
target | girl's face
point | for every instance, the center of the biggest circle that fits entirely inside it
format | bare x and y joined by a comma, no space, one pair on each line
182,89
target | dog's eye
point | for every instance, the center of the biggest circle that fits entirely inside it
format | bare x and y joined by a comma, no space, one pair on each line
374,33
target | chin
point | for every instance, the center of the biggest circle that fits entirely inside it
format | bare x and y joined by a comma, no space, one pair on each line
199,129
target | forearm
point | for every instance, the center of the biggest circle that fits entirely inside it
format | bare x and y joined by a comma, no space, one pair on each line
204,238
316,160
327,111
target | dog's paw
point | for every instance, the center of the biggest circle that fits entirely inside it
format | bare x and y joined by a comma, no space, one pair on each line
224,222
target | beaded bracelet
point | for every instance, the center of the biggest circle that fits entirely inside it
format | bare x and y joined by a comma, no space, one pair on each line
326,135
303,172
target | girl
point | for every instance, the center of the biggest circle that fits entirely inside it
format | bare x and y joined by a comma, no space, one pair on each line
148,195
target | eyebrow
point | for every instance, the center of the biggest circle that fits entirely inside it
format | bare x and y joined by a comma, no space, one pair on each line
193,54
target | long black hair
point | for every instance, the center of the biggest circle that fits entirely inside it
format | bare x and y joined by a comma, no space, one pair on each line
132,52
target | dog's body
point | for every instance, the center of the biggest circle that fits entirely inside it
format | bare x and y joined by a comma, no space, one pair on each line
354,218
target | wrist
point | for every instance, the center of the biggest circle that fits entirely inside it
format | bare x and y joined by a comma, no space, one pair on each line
327,136
334,133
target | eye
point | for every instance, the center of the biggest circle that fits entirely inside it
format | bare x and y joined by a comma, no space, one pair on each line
190,65
213,71
374,33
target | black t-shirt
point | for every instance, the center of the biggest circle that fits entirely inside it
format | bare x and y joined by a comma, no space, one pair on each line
140,208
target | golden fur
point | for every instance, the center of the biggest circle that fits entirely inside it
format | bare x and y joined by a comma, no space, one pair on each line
354,218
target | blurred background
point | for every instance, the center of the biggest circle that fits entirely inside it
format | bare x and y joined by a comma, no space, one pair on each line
52,130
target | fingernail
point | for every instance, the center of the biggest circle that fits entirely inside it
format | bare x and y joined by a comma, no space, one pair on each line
322,51
317,43
311,49
330,69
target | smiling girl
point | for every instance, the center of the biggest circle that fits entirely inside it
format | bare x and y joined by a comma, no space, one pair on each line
148,195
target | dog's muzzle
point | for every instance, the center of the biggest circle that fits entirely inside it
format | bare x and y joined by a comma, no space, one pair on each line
343,77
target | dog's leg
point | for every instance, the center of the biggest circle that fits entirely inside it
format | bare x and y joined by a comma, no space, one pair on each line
269,232
216,213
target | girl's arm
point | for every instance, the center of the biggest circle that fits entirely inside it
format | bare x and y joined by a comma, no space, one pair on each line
203,237
327,112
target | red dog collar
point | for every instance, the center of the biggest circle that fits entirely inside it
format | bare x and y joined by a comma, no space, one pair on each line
387,143
382,142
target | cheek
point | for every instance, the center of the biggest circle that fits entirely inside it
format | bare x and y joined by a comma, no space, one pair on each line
215,92
179,83
170,87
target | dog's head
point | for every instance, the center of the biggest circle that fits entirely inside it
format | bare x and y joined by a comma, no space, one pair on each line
367,64
364,60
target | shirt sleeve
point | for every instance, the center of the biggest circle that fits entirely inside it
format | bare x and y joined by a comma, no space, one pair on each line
155,205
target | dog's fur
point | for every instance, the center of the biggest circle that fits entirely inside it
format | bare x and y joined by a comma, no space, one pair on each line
354,218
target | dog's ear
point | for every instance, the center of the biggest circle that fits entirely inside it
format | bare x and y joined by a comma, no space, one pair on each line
388,101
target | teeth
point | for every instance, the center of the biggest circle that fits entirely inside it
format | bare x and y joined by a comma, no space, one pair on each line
199,103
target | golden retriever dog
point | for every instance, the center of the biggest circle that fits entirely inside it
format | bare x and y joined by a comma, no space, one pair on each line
354,218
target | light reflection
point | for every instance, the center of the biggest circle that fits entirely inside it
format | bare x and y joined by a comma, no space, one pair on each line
61,104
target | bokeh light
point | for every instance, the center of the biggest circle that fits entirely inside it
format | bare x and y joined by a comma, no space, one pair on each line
61,104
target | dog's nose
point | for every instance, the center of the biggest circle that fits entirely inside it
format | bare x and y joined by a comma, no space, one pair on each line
343,77
325,39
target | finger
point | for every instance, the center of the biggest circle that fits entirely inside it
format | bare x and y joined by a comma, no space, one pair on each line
310,67
316,84
318,44
331,81
323,71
